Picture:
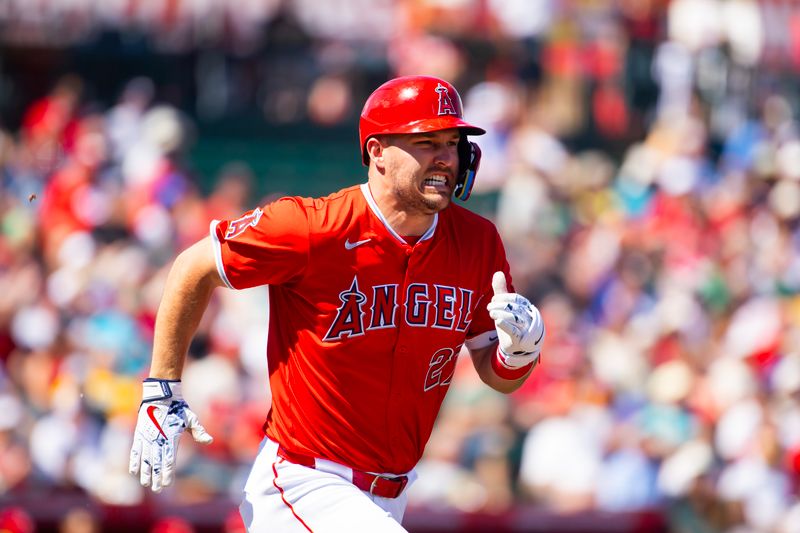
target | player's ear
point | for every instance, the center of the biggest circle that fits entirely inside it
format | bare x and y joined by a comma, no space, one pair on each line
375,149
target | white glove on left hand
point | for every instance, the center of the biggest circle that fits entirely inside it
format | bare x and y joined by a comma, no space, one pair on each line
519,324
163,416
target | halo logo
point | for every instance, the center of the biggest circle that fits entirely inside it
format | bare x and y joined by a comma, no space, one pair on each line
446,106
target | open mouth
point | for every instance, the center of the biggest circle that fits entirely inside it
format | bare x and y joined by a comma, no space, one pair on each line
437,181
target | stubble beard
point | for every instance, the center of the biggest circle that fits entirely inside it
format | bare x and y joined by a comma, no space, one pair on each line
415,201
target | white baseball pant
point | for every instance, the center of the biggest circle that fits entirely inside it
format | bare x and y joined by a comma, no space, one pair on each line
284,497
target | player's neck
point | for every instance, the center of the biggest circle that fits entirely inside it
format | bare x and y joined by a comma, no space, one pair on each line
401,220
405,224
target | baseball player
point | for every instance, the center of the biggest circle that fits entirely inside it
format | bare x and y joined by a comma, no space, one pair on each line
373,291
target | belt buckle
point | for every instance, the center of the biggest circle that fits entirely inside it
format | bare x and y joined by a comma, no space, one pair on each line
375,482
402,480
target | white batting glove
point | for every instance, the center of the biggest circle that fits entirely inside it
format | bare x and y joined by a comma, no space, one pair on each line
519,325
163,415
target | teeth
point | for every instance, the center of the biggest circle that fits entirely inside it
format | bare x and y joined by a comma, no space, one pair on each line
436,180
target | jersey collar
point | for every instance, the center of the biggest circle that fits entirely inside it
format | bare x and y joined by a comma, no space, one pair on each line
374,207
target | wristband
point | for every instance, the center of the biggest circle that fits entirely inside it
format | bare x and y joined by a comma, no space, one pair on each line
154,389
506,372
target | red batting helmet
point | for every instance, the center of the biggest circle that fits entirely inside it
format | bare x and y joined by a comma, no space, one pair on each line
416,104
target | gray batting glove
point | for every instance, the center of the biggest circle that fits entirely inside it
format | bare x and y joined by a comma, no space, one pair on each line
163,416
519,324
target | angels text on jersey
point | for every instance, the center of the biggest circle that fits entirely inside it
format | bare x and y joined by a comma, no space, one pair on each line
376,307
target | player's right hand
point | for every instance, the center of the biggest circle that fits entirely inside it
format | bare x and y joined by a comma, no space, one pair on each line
163,416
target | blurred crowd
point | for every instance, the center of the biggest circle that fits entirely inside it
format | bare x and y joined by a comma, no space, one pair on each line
95,205
645,158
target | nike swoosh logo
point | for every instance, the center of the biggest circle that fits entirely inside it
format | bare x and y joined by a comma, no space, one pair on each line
492,338
350,245
150,411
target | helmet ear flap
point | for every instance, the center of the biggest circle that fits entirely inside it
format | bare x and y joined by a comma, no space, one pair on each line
469,159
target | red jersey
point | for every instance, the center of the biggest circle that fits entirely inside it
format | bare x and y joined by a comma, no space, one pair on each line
364,329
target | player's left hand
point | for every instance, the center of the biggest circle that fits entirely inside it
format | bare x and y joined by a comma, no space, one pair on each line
519,324
163,416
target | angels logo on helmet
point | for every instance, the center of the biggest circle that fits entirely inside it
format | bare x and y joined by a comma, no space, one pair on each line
446,106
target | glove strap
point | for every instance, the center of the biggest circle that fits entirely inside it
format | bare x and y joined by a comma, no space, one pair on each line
154,389
506,372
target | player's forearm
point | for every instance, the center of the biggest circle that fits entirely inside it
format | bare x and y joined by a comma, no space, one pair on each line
190,283
482,360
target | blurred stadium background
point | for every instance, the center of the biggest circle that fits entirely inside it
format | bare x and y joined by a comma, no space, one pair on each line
642,163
